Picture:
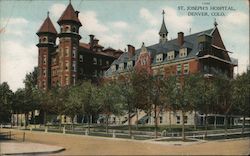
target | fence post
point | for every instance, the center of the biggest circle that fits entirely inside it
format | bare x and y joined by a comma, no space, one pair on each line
64,129
114,134
46,129
86,132
23,136
1,126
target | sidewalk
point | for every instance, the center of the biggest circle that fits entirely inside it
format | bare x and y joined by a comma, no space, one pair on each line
20,148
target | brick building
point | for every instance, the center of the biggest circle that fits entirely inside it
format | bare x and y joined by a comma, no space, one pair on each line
201,52
71,60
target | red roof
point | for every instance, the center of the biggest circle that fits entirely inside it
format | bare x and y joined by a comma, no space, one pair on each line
47,26
85,45
69,14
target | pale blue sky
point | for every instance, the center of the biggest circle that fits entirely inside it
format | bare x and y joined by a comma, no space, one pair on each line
116,24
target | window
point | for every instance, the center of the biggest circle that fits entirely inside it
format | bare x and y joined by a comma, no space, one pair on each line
94,60
74,52
130,64
81,71
67,28
159,58
107,62
170,55
80,58
44,72
178,119
161,119
113,68
185,119
67,66
74,66
74,29
67,51
67,80
121,66
178,69
100,61
44,59
183,52
44,39
186,68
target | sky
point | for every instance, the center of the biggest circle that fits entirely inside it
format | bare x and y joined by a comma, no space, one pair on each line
115,23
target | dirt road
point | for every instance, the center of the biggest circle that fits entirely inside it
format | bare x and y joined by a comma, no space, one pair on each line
85,145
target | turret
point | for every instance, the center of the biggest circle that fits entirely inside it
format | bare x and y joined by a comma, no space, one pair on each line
47,37
163,33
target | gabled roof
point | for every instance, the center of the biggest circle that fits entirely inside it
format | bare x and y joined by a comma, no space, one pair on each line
190,41
47,26
69,14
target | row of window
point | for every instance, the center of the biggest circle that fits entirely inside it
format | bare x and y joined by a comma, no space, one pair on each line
122,66
171,55
69,28
182,68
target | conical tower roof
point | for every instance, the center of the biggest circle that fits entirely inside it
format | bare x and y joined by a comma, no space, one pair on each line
47,27
163,29
69,14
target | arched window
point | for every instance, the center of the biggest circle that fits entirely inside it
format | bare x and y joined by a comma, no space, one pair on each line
74,29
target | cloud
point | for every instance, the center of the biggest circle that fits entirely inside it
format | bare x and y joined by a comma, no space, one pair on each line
120,25
57,10
16,60
176,22
234,29
236,18
91,23
9,26
148,16
149,36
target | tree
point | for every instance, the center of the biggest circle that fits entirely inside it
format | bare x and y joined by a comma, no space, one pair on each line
224,92
109,100
241,89
127,92
6,96
82,99
207,96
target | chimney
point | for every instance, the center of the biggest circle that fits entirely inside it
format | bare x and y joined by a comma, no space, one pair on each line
95,42
180,38
131,51
91,41
77,12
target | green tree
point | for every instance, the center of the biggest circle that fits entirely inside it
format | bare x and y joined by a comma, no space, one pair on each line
224,93
109,100
241,89
127,93
6,101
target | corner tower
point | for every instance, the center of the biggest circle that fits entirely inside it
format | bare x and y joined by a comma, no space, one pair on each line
47,39
163,33
69,44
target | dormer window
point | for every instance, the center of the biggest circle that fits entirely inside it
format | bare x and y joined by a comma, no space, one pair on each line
121,66
130,64
170,55
159,58
113,68
183,52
